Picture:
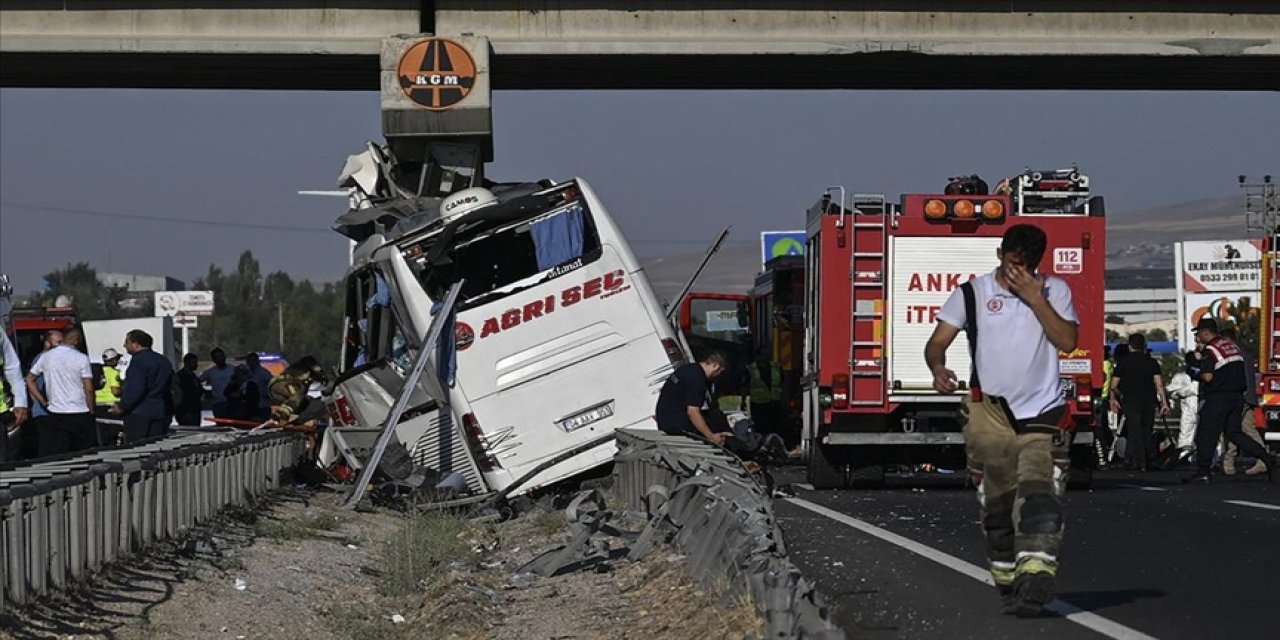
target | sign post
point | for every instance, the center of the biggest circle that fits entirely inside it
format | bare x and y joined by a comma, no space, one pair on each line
781,243
185,307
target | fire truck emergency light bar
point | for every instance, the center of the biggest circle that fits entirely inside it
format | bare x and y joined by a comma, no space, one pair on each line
989,209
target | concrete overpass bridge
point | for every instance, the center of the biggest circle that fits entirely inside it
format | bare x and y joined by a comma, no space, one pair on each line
599,44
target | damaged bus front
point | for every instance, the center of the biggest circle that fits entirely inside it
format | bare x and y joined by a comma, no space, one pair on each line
558,339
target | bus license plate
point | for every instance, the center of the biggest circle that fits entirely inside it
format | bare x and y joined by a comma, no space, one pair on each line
594,414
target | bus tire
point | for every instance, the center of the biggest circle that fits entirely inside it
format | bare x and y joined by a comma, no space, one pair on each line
823,473
867,477
1079,479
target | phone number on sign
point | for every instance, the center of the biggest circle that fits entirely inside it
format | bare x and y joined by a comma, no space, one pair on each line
1228,277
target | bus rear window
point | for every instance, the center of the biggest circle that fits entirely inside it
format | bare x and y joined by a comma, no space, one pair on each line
498,263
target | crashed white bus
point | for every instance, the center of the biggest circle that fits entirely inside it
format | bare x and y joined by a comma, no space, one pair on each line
559,339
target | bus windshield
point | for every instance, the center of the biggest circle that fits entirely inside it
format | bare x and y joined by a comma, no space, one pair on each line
499,261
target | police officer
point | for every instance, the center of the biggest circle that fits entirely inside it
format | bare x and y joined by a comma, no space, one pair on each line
1018,321
1224,379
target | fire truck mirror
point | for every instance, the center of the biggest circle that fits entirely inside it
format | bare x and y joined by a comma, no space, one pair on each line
744,315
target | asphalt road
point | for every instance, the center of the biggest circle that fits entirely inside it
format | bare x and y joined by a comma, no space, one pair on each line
1144,556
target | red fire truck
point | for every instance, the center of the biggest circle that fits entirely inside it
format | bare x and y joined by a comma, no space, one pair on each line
1269,342
876,275
721,322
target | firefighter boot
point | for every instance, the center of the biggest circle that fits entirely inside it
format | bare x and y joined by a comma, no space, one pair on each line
1033,587
1002,573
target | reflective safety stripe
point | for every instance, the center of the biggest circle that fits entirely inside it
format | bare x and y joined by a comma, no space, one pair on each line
1003,572
1037,562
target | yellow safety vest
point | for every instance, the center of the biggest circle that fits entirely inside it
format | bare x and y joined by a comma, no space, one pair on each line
1108,370
105,397
4,397
761,392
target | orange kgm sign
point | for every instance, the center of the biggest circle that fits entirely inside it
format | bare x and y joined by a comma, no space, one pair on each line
436,73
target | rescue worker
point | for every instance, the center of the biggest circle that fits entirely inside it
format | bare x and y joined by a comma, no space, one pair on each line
1138,383
1103,439
766,393
1186,392
1225,380
1248,420
684,395
109,394
12,412
1018,321
290,398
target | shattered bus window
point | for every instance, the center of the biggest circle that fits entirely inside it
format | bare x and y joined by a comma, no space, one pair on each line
502,261
373,331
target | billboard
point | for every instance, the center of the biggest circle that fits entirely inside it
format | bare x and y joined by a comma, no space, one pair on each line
1219,278
781,243
184,303
1220,265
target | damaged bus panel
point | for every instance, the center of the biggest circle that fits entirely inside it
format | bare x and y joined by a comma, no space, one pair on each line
557,339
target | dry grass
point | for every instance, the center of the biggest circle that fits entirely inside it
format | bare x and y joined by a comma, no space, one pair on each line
308,524
421,552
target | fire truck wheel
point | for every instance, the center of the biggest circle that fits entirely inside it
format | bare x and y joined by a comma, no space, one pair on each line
869,477
1079,478
823,472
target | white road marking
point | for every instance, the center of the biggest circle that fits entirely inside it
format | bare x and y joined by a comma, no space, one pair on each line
1092,621
1256,505
1143,487
803,485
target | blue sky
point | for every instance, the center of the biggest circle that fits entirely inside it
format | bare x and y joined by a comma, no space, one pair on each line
672,166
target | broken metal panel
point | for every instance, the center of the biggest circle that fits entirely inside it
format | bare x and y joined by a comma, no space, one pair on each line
435,443
425,356
716,512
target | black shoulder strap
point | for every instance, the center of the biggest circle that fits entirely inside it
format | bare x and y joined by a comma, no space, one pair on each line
971,331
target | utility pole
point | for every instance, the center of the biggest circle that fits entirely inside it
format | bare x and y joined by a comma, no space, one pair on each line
280,324
1261,205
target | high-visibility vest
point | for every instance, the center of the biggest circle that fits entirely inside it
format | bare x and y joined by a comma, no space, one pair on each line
4,397
105,397
763,391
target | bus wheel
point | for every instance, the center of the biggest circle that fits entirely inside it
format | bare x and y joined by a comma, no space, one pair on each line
868,477
823,472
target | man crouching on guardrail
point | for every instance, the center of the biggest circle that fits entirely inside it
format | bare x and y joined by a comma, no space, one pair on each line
685,394
1016,322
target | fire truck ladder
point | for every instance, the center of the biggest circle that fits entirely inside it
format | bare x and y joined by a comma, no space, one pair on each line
1262,215
869,291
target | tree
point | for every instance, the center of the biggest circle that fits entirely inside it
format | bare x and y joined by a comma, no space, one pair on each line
248,309
92,300
1156,335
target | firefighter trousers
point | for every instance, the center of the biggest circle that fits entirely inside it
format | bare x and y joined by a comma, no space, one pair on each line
1020,469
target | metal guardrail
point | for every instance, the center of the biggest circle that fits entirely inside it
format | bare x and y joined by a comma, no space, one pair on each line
722,519
63,520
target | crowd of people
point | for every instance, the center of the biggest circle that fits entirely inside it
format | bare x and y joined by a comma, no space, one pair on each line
1217,400
64,404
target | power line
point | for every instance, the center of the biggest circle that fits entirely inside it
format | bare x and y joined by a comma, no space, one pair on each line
277,227
150,218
